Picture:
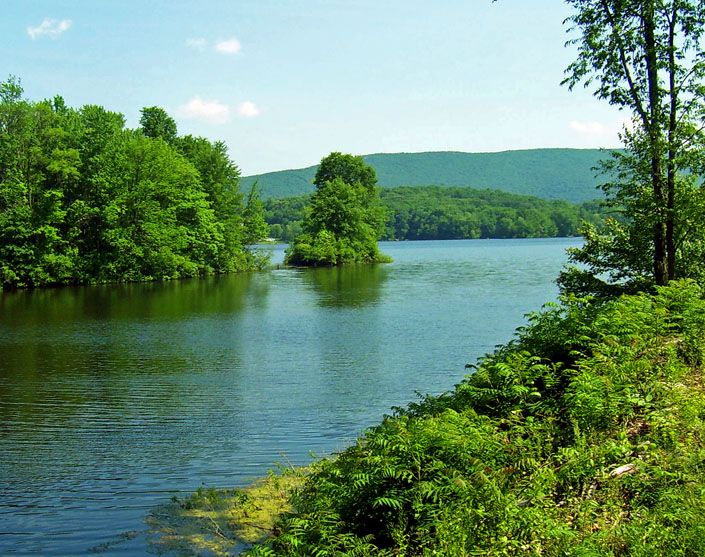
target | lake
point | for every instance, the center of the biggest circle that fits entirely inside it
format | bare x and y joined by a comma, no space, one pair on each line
115,398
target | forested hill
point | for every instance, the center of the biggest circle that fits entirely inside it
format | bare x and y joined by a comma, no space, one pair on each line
566,174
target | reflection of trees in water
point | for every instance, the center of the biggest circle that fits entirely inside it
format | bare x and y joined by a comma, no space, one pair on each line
155,300
129,358
347,285
349,338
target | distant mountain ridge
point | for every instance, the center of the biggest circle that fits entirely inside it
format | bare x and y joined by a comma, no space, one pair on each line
566,174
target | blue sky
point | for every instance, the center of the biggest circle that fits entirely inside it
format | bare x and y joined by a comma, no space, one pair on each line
285,82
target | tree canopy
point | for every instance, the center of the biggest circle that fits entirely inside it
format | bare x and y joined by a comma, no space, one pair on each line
645,56
344,218
84,200
155,122
350,169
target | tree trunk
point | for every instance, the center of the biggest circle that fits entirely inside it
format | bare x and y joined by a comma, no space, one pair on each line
671,164
655,140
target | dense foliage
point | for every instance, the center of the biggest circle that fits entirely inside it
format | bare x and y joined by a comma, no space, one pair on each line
437,213
565,174
343,219
645,57
83,199
434,213
581,437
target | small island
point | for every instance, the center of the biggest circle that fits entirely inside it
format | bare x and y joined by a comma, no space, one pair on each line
344,219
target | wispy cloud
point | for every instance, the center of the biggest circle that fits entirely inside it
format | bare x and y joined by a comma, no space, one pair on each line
51,28
591,128
606,133
228,46
248,109
210,111
197,43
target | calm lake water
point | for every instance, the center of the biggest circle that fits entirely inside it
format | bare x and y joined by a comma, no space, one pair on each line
115,398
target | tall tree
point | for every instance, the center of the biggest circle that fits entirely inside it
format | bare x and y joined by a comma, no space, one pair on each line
256,227
156,123
645,56
220,179
36,166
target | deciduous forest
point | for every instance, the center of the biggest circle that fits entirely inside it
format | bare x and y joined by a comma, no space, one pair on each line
83,199
445,213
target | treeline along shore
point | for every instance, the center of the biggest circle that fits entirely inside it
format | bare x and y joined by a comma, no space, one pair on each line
84,199
452,213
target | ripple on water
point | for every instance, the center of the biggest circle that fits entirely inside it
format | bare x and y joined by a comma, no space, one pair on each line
115,398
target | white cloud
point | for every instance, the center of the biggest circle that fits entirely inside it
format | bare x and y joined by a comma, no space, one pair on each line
197,43
592,129
52,28
604,132
200,109
228,46
248,109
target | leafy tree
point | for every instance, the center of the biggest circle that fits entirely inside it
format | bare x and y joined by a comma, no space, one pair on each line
36,164
220,179
156,123
256,228
617,256
344,218
158,221
644,56
349,168
220,176
82,199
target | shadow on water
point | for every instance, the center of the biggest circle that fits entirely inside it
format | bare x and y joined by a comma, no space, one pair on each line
351,286
162,301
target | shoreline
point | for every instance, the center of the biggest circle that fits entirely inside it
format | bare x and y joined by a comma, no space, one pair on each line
224,521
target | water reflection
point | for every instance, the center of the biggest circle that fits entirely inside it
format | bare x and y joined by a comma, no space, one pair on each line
114,397
348,286
96,382
158,300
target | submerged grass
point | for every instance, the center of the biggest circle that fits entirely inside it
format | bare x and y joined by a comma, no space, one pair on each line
222,521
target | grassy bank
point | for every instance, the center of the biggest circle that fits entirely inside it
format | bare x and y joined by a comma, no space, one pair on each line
584,436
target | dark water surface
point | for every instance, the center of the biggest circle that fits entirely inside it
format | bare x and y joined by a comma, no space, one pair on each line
115,398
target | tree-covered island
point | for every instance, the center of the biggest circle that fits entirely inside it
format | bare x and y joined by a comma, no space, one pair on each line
344,218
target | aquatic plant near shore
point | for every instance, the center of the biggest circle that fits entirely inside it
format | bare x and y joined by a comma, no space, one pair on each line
220,521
